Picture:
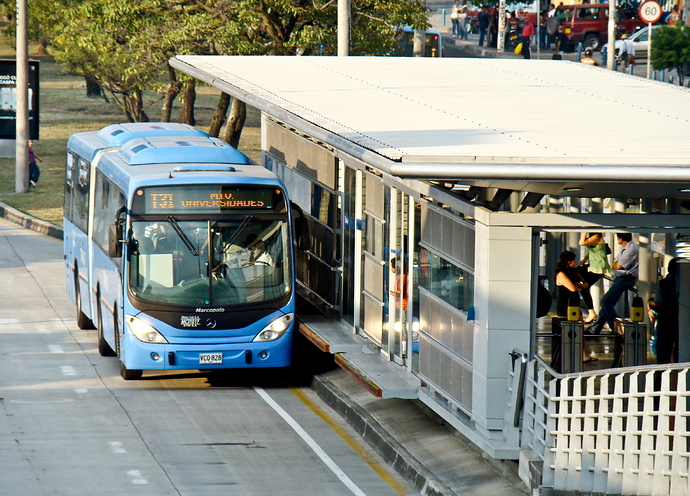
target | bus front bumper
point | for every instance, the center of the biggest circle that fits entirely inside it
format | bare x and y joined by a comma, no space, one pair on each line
144,356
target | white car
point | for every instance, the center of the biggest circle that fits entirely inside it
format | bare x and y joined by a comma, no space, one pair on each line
640,40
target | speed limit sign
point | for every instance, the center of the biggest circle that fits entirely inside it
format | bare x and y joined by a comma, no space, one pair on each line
650,11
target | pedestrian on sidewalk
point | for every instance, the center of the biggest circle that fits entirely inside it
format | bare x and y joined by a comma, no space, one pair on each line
561,42
463,19
455,19
483,18
34,171
626,51
543,30
527,33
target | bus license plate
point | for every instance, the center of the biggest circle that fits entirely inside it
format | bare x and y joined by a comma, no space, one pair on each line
209,358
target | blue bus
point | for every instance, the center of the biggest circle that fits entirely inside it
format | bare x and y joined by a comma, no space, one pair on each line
179,250
433,43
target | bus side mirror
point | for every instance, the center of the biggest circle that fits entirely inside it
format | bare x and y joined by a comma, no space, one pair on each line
115,240
301,228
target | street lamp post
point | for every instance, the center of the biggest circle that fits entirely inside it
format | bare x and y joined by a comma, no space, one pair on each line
22,92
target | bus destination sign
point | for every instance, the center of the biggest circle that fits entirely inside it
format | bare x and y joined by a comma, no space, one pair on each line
206,199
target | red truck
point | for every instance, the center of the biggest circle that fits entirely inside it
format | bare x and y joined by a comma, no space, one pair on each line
589,23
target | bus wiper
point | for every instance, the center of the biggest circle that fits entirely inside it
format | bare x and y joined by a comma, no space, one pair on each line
239,230
176,227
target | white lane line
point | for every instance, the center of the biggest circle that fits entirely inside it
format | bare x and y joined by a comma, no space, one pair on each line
68,370
55,348
310,441
136,477
116,447
81,391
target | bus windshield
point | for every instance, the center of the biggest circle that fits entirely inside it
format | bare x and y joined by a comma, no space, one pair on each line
210,263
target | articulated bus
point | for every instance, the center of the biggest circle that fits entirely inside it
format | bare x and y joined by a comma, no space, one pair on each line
178,250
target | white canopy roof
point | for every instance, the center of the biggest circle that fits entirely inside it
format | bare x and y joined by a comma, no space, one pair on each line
518,124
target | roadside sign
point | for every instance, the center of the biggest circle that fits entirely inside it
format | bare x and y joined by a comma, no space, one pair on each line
650,11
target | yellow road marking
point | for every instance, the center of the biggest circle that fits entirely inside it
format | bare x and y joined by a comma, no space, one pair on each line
356,446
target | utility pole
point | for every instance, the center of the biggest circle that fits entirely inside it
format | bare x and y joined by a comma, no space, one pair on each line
611,50
419,41
418,46
343,28
22,93
501,41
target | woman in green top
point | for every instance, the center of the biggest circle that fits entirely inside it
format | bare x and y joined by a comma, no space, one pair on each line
593,266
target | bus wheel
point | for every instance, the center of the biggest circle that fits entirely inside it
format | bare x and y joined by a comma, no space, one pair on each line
129,374
83,322
103,347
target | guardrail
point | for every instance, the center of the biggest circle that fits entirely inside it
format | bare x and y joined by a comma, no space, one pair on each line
614,431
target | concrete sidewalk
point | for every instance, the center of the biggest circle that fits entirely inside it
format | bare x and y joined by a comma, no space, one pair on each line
436,459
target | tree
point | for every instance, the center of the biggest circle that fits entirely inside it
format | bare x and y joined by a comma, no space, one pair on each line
124,46
107,40
671,48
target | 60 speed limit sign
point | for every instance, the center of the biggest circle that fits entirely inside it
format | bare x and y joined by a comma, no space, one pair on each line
650,11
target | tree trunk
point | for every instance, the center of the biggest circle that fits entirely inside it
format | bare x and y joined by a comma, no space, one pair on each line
135,106
220,114
93,89
171,93
188,100
233,130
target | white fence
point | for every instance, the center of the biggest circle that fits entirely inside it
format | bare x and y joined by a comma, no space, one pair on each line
615,431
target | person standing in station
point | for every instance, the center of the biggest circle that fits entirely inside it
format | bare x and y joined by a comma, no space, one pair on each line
666,304
570,284
593,266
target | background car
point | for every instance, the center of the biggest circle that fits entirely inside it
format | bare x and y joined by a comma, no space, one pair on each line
640,40
588,23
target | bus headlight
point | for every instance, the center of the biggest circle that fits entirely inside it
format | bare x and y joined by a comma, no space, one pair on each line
275,329
143,331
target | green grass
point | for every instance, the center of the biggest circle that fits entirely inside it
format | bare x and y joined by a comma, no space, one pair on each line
64,110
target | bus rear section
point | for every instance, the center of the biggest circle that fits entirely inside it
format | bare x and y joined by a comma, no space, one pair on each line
433,43
196,271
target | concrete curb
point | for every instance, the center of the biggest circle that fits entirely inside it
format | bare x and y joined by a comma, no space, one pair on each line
15,216
378,438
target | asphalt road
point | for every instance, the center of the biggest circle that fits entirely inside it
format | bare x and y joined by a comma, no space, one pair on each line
69,425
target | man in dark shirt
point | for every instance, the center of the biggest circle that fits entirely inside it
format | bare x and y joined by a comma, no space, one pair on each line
483,18
561,40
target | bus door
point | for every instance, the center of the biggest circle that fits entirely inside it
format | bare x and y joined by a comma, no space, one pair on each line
352,229
375,252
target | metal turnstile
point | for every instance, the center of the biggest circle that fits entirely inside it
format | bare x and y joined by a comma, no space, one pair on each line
631,343
567,345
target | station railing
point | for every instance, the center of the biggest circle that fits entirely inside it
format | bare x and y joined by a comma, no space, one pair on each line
612,431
